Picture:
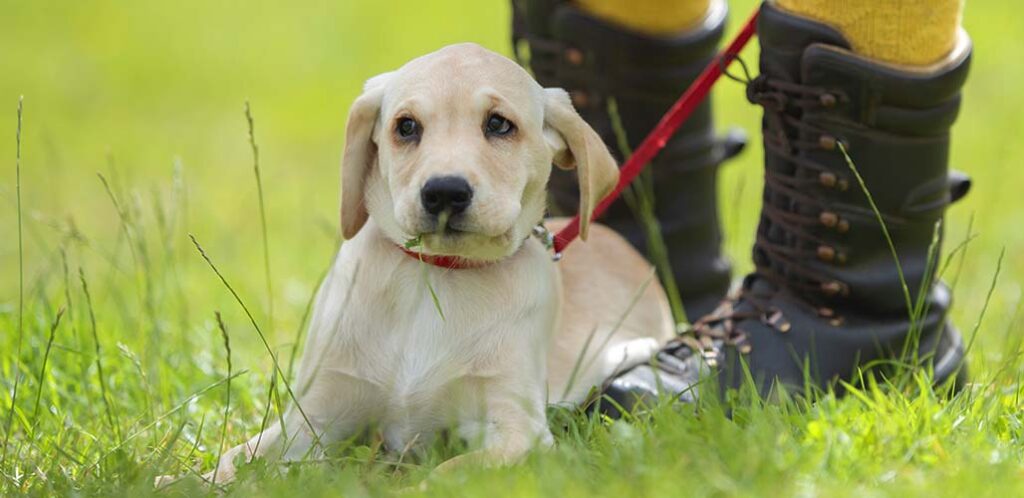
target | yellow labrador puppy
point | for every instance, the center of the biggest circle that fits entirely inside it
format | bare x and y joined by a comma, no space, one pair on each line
475,328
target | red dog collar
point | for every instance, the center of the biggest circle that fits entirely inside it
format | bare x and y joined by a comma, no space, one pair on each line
459,263
447,262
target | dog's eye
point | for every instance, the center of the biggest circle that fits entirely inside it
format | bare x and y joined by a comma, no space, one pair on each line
407,128
498,125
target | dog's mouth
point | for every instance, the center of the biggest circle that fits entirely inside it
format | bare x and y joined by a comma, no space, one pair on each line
452,232
458,235
455,240
447,226
450,238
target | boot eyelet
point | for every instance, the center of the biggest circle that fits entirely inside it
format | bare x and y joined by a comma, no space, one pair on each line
574,56
827,100
843,184
834,288
827,142
826,312
826,254
580,99
828,180
829,219
777,321
836,322
843,226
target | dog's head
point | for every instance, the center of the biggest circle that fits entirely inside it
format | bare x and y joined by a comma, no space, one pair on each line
455,148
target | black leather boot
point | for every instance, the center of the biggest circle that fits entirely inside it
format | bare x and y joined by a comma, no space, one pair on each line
596,61
826,297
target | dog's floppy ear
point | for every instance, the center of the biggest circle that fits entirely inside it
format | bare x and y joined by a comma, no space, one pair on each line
360,154
576,145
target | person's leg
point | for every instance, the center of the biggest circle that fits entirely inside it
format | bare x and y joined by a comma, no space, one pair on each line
906,32
600,51
826,296
651,17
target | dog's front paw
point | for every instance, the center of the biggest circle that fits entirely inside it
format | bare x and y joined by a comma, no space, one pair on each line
166,481
223,474
160,482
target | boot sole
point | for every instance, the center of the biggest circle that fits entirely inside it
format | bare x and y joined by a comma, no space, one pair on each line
950,360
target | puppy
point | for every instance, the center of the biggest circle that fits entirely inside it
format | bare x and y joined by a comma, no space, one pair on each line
475,328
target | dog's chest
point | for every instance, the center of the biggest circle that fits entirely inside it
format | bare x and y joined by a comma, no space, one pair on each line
425,368
424,342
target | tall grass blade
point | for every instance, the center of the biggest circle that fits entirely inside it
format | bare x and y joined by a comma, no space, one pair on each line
988,299
263,339
42,370
622,318
579,362
263,212
640,197
127,212
430,289
416,242
21,288
885,229
227,396
123,216
302,323
266,413
963,257
911,350
66,273
163,416
115,425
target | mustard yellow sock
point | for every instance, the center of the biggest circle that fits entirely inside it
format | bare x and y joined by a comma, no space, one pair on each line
652,17
906,32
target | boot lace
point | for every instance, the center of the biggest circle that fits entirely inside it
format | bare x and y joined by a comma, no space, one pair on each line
795,208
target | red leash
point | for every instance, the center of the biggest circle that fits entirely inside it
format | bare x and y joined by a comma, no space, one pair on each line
667,127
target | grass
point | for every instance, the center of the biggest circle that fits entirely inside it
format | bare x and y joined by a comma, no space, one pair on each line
263,212
639,196
263,338
133,383
21,284
885,232
227,396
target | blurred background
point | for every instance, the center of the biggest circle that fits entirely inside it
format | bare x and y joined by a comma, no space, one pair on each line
151,95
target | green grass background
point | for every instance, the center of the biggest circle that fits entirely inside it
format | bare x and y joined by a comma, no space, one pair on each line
151,95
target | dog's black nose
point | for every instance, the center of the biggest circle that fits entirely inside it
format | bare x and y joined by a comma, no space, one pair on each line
451,193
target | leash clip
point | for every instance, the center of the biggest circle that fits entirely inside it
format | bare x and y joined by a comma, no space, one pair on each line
547,238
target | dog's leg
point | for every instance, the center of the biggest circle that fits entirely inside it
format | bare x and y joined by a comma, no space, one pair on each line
626,355
515,423
270,443
295,444
335,406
